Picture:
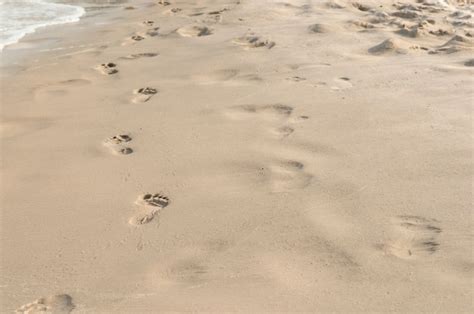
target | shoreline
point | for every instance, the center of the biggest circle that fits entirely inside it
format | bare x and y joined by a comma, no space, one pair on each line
52,41
206,157
58,21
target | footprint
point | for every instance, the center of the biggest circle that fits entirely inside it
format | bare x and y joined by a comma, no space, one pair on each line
187,271
194,31
149,206
196,14
226,76
341,83
455,44
144,94
172,11
469,63
287,176
137,38
296,79
60,304
251,77
133,39
140,55
216,76
252,41
153,200
269,112
74,82
152,32
59,89
108,68
116,144
217,12
318,28
149,23
412,237
277,116
283,131
299,119
15,127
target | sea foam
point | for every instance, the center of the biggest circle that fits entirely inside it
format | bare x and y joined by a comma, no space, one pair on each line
21,17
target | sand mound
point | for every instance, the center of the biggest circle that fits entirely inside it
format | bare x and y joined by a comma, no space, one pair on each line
406,14
388,46
361,7
455,44
334,4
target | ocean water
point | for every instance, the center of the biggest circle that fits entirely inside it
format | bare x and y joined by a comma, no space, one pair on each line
20,17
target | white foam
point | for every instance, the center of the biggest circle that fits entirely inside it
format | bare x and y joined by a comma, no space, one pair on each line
21,17
453,4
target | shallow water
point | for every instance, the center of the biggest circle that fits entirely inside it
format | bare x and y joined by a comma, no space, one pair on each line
20,17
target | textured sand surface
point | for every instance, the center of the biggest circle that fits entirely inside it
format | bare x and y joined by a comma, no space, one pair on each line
240,156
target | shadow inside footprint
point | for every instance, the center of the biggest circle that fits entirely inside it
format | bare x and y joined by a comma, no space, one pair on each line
152,32
144,94
412,237
108,68
154,200
116,144
318,28
140,55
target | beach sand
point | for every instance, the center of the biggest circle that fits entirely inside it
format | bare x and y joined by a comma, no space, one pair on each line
240,156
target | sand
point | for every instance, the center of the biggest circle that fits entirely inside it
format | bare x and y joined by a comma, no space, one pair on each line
240,156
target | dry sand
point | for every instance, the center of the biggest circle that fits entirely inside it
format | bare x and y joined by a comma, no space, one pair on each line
240,156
